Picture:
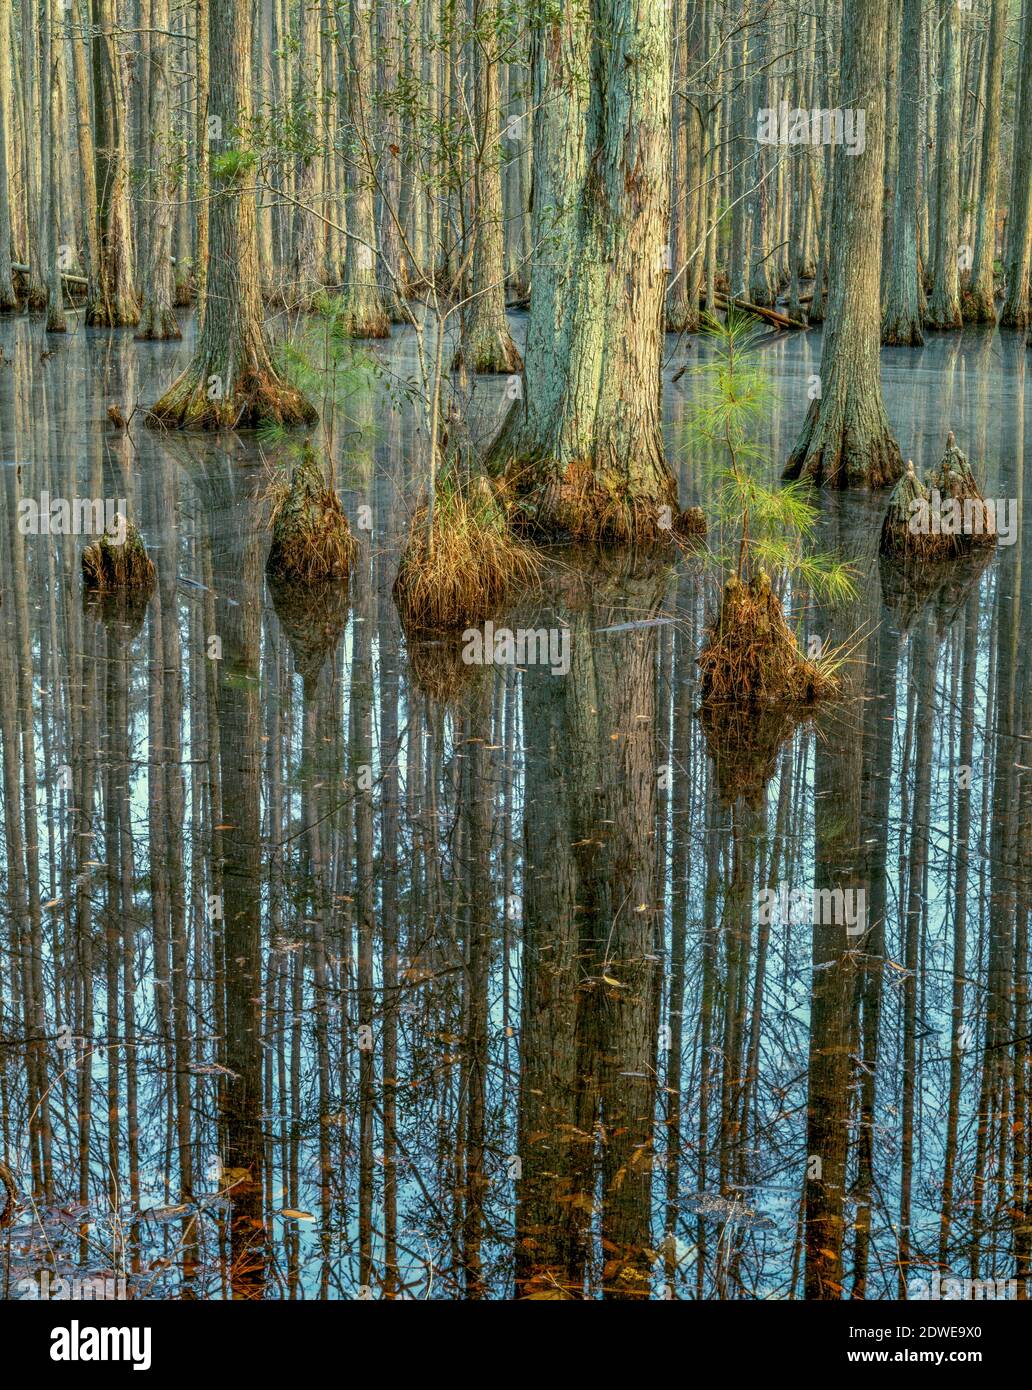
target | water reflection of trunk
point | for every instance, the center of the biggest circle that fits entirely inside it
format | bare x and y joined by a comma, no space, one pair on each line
1000,1146
237,558
963,859
587,1087
839,865
879,721
923,668
478,794
22,837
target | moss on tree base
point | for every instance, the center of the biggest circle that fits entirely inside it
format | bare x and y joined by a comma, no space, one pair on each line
311,538
489,353
583,502
158,325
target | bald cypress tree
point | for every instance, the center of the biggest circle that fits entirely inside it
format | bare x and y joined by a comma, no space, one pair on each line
231,381
846,440
584,445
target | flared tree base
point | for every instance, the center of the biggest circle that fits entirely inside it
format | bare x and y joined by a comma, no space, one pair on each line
487,353
199,400
158,325
978,305
846,443
592,501
112,314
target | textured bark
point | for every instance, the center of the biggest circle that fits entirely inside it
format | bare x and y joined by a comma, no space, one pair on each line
305,279
90,250
113,302
486,344
8,298
590,414
944,304
1016,312
56,322
158,319
363,308
846,440
231,382
688,201
393,280
902,321
979,301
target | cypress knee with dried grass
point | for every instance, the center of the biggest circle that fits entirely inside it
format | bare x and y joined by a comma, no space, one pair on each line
751,654
943,517
114,562
311,538
118,577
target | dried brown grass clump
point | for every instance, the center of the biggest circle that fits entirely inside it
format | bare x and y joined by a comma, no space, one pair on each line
311,538
751,655
108,565
459,569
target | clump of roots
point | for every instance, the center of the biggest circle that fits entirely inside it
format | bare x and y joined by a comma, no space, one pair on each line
313,617
311,538
461,565
751,655
941,518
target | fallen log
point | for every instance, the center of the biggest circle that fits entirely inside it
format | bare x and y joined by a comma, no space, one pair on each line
768,315
65,274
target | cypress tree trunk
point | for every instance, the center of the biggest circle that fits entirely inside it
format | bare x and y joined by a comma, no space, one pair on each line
763,285
363,310
846,439
87,155
1019,227
56,322
944,304
487,345
308,107
393,280
202,181
158,319
113,302
8,298
687,212
979,302
231,382
585,443
902,321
